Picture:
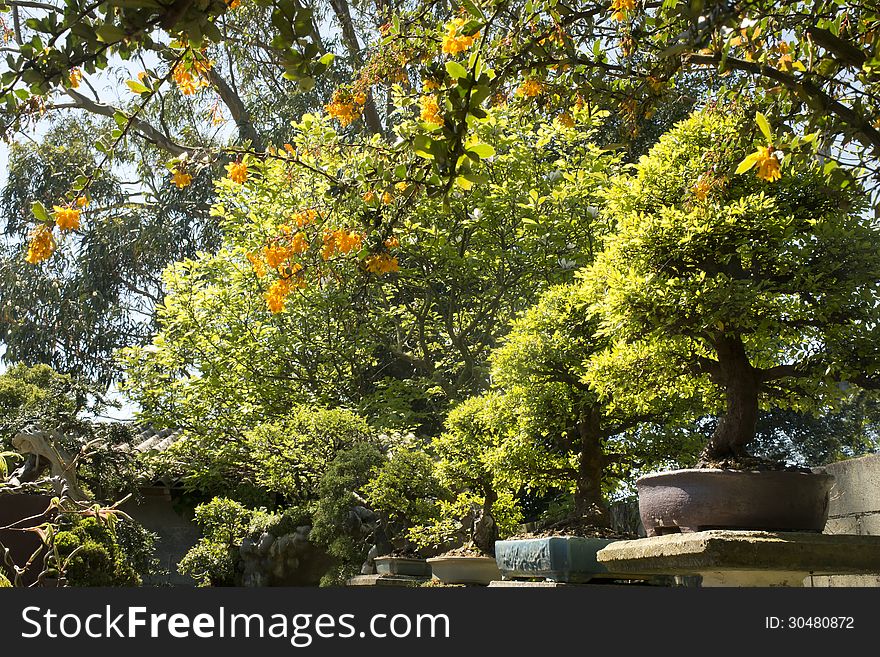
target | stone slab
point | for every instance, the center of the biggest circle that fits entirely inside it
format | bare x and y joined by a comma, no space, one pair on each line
751,551
385,580
856,486
848,581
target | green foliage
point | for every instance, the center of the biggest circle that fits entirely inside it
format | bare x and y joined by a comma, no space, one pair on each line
213,560
333,524
705,261
446,530
35,393
277,462
90,554
401,347
405,489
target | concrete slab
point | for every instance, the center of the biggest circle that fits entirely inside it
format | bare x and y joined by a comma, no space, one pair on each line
746,558
385,580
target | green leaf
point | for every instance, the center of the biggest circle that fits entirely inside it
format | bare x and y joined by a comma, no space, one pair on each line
456,71
137,87
473,10
764,125
109,33
39,211
327,59
750,161
481,150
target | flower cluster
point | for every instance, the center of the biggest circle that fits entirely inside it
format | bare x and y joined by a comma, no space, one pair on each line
768,165
346,107
181,179
340,241
431,111
531,88
75,77
42,244
66,218
192,77
454,41
621,7
381,263
237,172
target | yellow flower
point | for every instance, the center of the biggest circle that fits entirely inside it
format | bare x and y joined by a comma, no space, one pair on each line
369,197
75,77
277,294
387,198
531,88
345,107
237,172
258,265
182,179
42,244
703,187
430,84
82,201
299,243
566,120
66,218
381,263
233,4
620,7
275,255
768,165
454,42
431,111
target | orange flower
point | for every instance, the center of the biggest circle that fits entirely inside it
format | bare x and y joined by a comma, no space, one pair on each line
566,120
233,4
431,111
237,172
531,88
621,7
258,265
454,42
75,77
182,179
381,263
42,244
66,218
768,165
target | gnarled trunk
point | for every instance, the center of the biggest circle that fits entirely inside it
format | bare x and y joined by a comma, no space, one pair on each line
588,500
736,428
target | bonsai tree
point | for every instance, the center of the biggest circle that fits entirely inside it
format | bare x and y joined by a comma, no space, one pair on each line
479,510
735,277
561,434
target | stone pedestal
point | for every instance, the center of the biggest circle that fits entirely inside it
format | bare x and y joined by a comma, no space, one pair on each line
745,558
385,580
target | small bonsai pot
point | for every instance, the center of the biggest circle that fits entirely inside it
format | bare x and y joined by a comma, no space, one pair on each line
402,566
464,570
700,499
555,558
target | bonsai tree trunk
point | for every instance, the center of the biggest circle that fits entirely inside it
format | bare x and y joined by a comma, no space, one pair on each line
484,531
588,500
736,428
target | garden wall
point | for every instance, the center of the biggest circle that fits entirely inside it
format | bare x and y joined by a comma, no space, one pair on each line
854,509
177,534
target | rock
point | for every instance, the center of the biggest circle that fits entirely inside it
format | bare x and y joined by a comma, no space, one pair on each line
265,543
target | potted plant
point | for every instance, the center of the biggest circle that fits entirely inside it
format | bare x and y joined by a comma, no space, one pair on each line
558,436
478,510
403,492
745,285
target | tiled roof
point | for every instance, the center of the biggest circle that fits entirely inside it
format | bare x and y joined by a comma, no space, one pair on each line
149,439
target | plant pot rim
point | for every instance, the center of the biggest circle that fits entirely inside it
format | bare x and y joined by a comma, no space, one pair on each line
729,472
459,557
388,557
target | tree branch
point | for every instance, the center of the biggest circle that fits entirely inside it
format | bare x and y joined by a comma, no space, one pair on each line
147,131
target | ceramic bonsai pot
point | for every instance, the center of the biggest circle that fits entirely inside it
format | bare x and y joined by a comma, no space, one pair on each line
701,499
464,570
554,558
402,566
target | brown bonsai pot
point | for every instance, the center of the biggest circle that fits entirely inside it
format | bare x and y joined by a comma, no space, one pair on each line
701,499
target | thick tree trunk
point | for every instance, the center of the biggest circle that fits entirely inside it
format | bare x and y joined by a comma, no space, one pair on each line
588,500
736,428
